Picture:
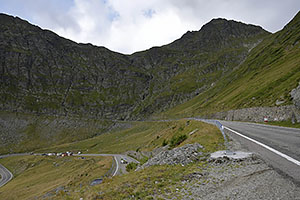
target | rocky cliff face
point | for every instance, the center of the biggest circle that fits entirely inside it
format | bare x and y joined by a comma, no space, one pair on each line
257,114
44,73
295,94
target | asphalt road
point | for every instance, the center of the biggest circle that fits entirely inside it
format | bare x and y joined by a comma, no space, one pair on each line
6,175
16,154
282,145
120,168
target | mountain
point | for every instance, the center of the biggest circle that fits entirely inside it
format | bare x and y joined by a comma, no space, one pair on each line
267,77
43,73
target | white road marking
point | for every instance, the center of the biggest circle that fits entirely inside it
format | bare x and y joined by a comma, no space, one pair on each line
4,175
117,168
267,147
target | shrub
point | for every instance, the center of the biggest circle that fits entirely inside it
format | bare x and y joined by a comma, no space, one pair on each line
131,166
164,143
176,140
181,129
144,160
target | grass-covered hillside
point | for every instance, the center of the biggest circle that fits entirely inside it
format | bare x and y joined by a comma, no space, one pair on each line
55,91
48,177
146,136
269,74
28,132
40,177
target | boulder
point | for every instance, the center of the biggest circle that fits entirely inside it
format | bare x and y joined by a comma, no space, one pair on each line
181,155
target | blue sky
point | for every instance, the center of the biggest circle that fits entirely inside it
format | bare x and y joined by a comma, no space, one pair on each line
128,26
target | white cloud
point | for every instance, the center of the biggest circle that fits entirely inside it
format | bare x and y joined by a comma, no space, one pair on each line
132,25
142,32
122,26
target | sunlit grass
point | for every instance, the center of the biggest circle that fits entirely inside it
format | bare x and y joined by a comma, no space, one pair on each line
36,175
145,136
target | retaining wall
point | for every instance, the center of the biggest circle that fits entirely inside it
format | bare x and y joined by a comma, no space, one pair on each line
257,114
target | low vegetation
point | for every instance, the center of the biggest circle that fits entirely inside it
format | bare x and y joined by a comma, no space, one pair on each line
45,175
37,176
285,124
131,166
27,132
268,74
164,143
146,136
156,180
176,140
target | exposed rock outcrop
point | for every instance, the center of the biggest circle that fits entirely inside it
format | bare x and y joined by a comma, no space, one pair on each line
29,132
295,94
44,73
257,114
180,155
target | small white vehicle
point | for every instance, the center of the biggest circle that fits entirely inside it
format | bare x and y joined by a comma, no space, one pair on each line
123,161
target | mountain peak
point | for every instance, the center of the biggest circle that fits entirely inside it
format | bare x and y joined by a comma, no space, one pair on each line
295,22
231,27
45,73
217,32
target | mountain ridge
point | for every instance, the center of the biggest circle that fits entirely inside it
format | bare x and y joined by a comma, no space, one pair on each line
45,73
46,79
265,79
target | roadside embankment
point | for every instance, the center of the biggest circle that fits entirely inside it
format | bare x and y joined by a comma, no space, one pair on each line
257,114
227,177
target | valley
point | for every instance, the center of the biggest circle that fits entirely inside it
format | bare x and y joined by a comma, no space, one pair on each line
61,96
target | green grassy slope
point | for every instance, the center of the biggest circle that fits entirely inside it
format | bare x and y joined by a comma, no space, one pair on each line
27,132
145,136
34,176
268,74
189,65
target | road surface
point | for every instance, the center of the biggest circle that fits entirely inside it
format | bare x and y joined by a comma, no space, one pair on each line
278,146
119,167
6,175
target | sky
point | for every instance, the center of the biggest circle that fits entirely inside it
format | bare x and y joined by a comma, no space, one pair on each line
127,26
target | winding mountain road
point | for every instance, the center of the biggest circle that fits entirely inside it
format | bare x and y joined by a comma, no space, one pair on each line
5,174
120,168
278,146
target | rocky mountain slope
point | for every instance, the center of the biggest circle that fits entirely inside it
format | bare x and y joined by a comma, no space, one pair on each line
268,77
42,73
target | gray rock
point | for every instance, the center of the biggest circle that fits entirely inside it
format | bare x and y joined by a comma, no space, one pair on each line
279,102
181,155
58,189
257,114
96,181
295,94
47,74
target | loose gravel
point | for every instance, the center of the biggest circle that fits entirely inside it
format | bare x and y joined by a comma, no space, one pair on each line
225,178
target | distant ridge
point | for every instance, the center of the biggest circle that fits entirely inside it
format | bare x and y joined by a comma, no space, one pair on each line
44,73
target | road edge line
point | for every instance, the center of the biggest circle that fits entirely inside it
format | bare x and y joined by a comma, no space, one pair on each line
267,147
117,166
11,175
